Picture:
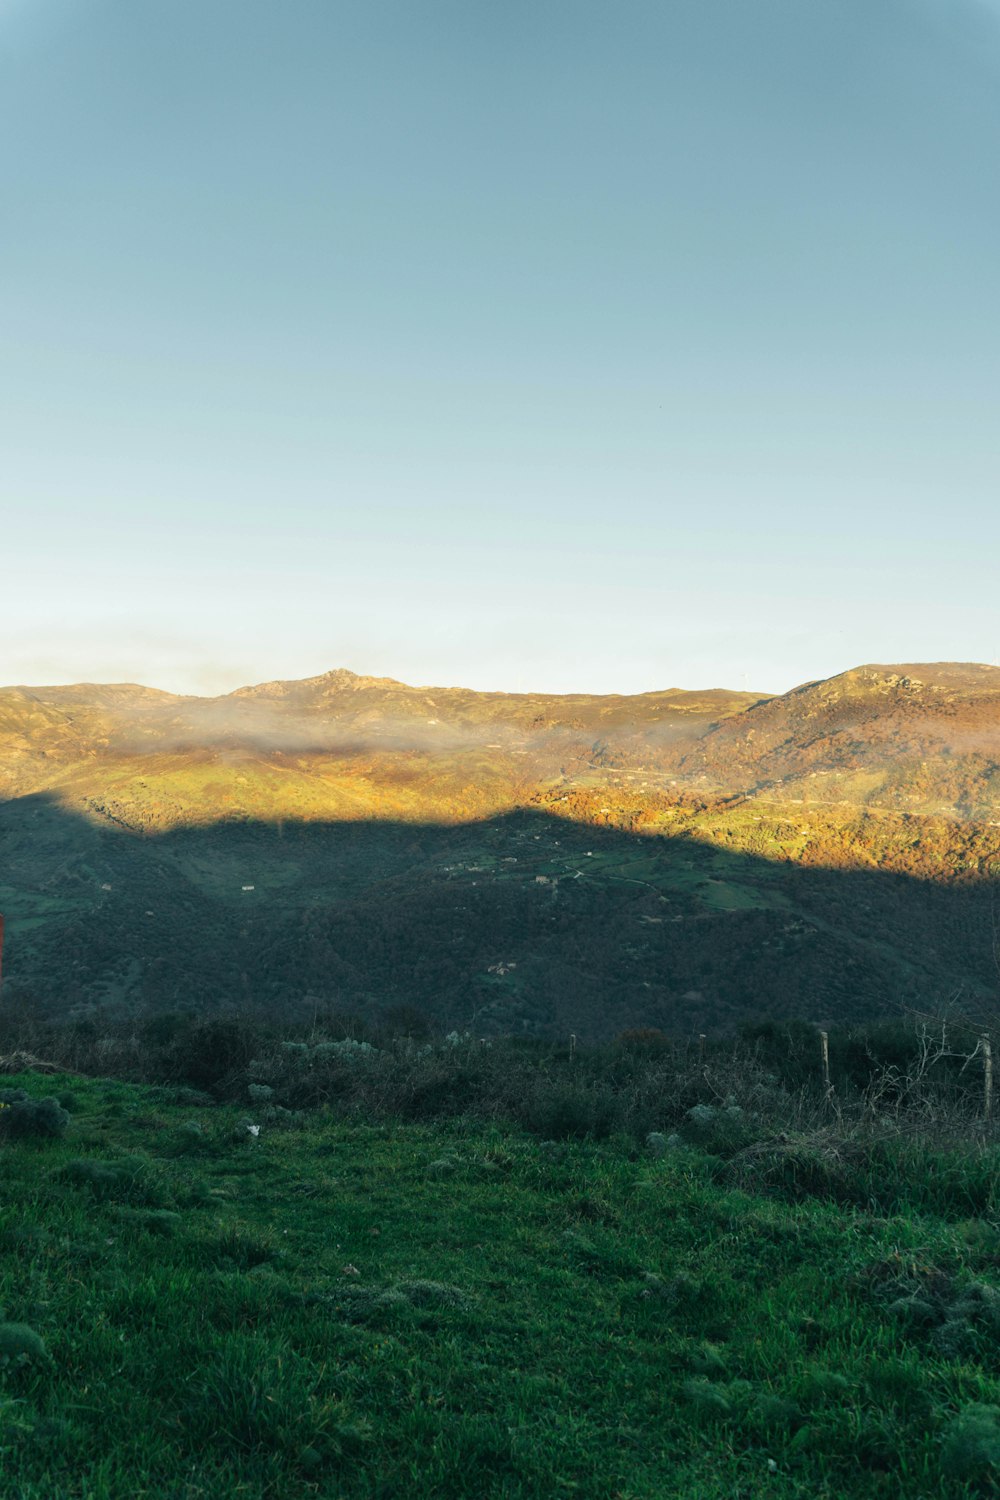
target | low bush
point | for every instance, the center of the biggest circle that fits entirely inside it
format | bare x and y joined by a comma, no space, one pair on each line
560,1111
209,1055
719,1130
794,1167
971,1447
39,1119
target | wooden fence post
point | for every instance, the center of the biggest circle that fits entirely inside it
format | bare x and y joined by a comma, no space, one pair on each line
824,1042
701,1048
987,1076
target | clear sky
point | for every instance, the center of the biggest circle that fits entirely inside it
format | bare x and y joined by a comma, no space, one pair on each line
553,344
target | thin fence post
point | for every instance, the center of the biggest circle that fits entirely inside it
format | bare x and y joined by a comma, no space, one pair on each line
572,1045
701,1048
984,1042
824,1042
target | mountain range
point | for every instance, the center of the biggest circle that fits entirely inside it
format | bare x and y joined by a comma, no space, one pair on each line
512,862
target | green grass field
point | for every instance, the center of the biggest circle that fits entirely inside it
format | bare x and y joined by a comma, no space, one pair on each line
349,1311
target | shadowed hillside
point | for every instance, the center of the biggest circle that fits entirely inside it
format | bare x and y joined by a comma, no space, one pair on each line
523,923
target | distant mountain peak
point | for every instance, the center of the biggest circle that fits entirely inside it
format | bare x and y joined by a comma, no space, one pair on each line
337,680
910,677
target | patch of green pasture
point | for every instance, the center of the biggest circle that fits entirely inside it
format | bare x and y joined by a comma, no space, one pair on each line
30,908
723,895
447,1311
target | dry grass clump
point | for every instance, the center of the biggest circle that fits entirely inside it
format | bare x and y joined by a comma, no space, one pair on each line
240,1247
360,1304
971,1323
26,1062
124,1179
958,1319
423,1293
708,1360
161,1221
820,1163
710,1401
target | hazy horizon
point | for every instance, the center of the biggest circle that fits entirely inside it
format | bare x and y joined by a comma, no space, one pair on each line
429,684
527,348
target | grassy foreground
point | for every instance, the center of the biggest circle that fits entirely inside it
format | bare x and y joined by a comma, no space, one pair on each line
456,1310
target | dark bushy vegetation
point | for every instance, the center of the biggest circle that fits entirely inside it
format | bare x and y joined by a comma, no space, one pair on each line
908,1072
23,1118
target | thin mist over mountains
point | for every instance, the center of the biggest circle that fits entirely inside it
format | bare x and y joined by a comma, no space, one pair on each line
53,731
909,738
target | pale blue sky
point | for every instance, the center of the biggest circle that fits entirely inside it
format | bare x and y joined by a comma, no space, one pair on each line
578,345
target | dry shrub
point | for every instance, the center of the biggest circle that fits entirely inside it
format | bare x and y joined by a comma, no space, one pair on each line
821,1164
